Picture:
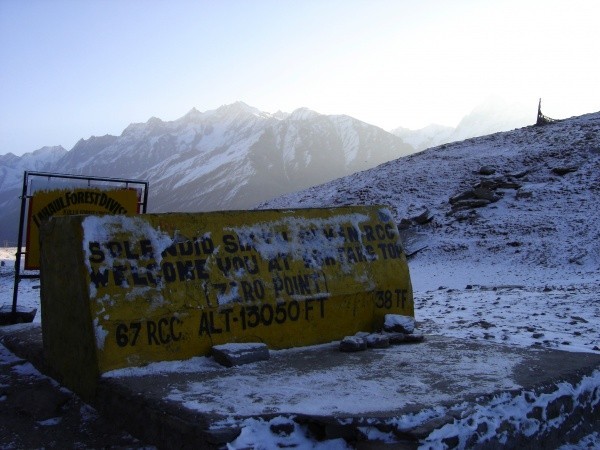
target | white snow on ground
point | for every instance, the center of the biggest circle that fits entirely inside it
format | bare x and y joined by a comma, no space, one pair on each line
523,270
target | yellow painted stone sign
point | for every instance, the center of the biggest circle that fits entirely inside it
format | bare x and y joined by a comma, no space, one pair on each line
170,286
62,202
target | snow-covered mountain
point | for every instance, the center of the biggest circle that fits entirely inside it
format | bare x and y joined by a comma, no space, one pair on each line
11,184
229,158
430,136
490,117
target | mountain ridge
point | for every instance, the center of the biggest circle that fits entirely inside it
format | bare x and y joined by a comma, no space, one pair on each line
232,157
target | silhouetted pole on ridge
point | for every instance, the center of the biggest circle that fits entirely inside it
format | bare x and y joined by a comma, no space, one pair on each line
542,119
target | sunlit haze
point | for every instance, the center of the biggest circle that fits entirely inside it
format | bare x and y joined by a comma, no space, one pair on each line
73,69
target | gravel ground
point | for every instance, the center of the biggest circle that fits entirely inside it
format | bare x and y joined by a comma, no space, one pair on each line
36,412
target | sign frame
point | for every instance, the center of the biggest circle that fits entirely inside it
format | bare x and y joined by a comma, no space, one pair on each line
26,197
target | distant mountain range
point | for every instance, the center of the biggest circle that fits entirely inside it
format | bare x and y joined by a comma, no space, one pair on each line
236,156
229,158
490,117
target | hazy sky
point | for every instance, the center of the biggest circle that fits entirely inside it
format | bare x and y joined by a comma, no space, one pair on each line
73,69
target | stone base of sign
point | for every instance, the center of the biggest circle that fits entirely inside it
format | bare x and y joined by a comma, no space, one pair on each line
21,315
230,355
461,390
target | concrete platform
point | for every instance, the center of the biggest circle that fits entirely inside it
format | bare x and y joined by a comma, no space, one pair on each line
440,392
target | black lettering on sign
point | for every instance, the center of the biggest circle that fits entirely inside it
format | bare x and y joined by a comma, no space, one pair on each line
164,331
253,291
128,334
388,298
207,324
353,254
306,284
227,313
99,278
190,247
351,234
97,255
390,251
368,230
278,264
129,253
247,263
138,278
348,234
266,315
231,244
263,315
307,307
146,249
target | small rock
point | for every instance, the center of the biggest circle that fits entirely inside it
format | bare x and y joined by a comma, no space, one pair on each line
282,428
464,215
414,337
519,174
487,170
423,218
353,344
396,338
377,341
473,203
405,224
563,170
521,194
399,323
462,196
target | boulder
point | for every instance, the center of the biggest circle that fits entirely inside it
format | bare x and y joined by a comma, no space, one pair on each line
485,194
563,170
462,196
467,204
423,218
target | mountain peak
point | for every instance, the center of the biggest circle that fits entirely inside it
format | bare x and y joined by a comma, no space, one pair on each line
304,114
236,108
192,116
280,115
154,121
